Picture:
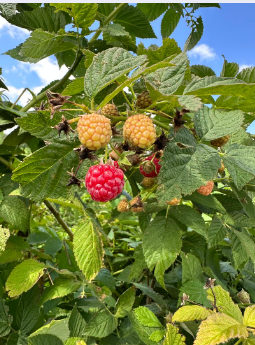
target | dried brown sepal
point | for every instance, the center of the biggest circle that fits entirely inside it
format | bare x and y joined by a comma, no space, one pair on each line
136,204
178,120
85,153
221,169
220,141
56,100
73,179
126,147
63,126
209,283
41,107
184,299
160,142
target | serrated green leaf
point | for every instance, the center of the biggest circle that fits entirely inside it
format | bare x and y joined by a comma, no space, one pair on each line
125,302
217,232
191,313
146,317
58,328
196,292
8,10
191,268
209,201
4,235
157,298
247,75
52,246
157,335
77,324
152,11
44,339
212,124
135,22
225,303
43,174
15,212
40,18
88,249
173,337
240,160
161,246
75,87
5,319
218,328
195,35
42,44
190,102
243,246
115,30
202,71
169,22
24,276
185,166
143,332
102,324
249,317
107,67
61,288
105,278
75,341
167,80
229,69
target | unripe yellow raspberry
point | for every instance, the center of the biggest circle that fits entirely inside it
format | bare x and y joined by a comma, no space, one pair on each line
148,182
139,131
94,131
173,202
123,206
110,110
206,189
143,100
220,141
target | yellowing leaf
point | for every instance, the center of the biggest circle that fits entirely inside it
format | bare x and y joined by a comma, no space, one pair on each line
224,303
146,317
24,276
157,335
218,328
191,313
249,317
173,337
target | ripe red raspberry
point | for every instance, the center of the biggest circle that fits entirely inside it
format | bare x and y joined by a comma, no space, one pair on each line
143,100
207,189
110,110
150,167
139,131
94,131
173,202
220,141
104,182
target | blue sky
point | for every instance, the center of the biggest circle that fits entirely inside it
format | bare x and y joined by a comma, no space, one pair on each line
229,31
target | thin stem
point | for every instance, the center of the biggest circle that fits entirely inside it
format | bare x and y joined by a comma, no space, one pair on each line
239,341
65,204
158,112
6,163
56,214
162,125
125,96
56,86
22,93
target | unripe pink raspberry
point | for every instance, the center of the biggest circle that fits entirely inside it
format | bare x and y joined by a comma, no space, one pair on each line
207,189
104,182
150,167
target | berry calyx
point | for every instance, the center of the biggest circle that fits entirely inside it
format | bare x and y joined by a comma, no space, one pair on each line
143,100
148,182
137,204
123,205
222,168
139,131
220,141
206,189
104,182
150,167
173,202
94,131
110,110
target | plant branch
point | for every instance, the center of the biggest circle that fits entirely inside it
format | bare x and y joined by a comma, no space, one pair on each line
6,163
56,214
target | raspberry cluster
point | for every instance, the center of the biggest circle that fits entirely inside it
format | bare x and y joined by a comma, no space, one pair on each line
139,130
143,100
207,189
94,131
104,182
110,110
151,166
220,141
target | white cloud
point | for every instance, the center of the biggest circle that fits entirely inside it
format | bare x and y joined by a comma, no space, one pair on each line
12,30
241,67
202,51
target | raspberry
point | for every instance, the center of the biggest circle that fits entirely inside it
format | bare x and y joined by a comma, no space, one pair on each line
104,182
222,168
148,182
244,296
110,110
220,141
150,167
116,164
139,131
137,204
173,202
143,100
94,131
123,206
207,189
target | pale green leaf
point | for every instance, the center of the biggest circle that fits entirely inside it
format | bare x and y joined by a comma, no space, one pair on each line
143,332
14,211
191,313
58,328
217,232
249,341
125,302
195,35
40,18
173,337
4,235
146,317
61,287
229,69
44,173
247,75
8,10
186,165
169,22
115,30
190,102
191,268
45,339
24,276
249,317
243,246
75,341
157,335
152,10
76,86
102,324
219,328
135,22
88,249
107,67
225,303
202,71
42,44
161,245
77,323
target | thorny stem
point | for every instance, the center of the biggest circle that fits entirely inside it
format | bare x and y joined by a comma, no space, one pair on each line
56,214
214,300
